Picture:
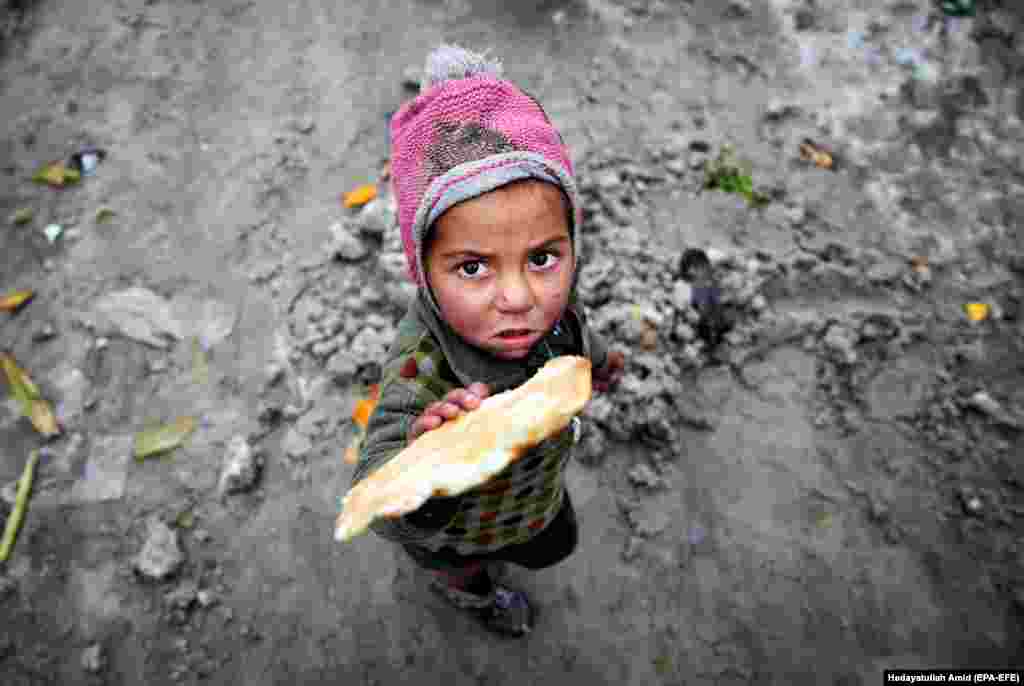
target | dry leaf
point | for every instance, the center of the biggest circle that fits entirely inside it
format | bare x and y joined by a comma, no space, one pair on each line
163,438
43,419
22,216
56,174
919,263
360,196
104,214
812,152
27,394
13,301
364,407
977,312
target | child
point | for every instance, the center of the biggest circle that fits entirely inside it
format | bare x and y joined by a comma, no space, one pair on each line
490,221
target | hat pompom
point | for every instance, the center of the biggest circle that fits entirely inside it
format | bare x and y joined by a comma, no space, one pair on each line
450,62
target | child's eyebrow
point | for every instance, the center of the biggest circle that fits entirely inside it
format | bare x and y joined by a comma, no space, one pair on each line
474,253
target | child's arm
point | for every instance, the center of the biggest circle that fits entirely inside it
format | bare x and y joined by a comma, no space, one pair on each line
402,401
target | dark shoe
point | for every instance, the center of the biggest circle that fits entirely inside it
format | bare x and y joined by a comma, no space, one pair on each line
504,611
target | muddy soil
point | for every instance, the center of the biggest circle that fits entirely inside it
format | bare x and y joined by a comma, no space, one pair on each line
834,491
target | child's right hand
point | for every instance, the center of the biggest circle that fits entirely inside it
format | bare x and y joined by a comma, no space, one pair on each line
450,407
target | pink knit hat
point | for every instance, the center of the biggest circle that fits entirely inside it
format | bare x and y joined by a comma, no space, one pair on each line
468,132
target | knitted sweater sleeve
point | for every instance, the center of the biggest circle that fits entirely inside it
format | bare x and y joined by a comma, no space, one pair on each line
401,402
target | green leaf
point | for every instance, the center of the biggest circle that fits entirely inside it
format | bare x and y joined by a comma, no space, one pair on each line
163,438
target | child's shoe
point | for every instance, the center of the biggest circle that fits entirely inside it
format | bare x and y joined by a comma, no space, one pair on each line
504,611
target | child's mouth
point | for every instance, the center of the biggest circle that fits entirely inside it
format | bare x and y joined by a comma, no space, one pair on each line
515,335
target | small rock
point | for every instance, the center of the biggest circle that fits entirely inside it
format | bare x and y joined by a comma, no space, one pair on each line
182,597
682,293
181,644
93,660
842,340
643,475
240,467
739,8
296,445
202,536
986,404
676,166
685,333
758,303
346,246
44,332
207,598
411,76
342,367
161,556
273,374
377,217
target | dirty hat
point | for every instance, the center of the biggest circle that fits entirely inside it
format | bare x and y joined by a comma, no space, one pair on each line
468,132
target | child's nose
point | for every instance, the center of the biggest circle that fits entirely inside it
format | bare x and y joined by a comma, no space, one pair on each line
515,292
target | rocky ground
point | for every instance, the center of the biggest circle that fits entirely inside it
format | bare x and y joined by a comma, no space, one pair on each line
834,490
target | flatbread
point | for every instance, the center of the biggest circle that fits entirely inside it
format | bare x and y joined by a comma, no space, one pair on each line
468,451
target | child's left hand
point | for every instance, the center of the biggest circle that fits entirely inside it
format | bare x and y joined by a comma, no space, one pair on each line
607,377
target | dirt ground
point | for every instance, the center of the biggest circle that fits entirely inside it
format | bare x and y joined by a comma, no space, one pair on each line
838,492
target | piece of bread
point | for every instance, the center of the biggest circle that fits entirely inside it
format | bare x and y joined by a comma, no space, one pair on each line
471,449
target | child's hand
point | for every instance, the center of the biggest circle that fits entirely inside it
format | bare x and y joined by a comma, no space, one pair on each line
607,377
453,404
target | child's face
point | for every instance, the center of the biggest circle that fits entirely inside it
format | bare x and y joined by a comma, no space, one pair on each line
492,269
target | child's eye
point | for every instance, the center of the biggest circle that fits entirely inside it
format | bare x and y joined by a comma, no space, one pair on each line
471,269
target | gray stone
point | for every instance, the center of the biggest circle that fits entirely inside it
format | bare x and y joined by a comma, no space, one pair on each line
685,333
161,555
241,467
296,445
342,367
135,313
393,265
600,410
106,470
411,76
841,340
73,388
346,246
377,217
676,166
643,475
183,597
207,598
93,660
7,587
682,294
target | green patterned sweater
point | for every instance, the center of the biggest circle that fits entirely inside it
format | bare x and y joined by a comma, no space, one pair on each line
517,503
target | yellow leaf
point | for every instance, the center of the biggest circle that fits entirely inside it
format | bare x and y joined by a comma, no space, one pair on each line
42,418
22,216
360,196
27,394
825,520
976,312
12,301
104,214
56,174
663,664
163,438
